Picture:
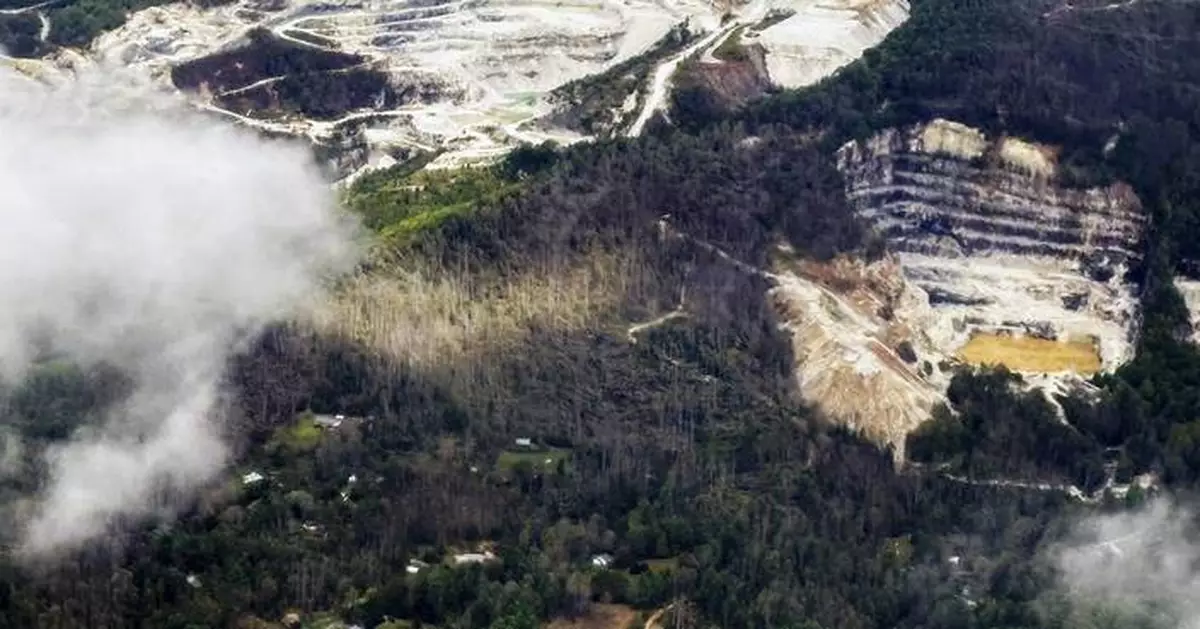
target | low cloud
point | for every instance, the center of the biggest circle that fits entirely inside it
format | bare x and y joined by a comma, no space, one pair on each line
139,235
1144,562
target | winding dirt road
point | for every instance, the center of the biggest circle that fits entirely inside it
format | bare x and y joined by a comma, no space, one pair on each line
661,83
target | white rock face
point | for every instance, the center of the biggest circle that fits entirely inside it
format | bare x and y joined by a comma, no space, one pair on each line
493,61
984,240
1190,290
825,35
983,227
847,320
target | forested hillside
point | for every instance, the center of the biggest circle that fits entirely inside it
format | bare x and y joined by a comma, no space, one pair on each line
526,367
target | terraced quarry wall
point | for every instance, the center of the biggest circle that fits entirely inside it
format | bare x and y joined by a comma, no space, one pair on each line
1007,254
472,78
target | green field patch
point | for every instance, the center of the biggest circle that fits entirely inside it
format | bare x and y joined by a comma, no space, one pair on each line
538,460
302,435
660,566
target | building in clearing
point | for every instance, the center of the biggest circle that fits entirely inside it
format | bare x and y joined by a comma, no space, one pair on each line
252,477
329,422
466,558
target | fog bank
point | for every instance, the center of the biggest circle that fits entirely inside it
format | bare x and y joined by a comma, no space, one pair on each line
1144,561
138,234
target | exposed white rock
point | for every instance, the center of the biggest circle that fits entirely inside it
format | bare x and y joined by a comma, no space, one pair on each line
825,35
846,320
999,247
1190,290
493,61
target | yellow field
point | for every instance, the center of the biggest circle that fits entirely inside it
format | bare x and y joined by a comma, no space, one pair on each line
1024,353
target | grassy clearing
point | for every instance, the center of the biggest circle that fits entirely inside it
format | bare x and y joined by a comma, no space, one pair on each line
404,201
302,436
540,460
1024,353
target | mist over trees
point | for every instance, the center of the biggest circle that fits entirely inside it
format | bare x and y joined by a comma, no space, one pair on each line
681,451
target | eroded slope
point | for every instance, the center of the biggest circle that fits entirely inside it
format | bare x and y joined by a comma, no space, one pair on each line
861,354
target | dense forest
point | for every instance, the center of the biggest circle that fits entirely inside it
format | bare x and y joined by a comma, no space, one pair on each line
20,35
591,463
269,75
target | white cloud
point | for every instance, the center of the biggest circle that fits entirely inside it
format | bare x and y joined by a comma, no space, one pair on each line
1145,561
144,236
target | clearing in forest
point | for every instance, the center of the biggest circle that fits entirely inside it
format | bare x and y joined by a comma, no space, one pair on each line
599,616
1031,354
543,460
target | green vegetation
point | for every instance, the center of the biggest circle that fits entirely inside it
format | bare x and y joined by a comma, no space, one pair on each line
661,566
688,450
548,461
77,22
732,48
593,103
1035,69
994,419
265,56
403,202
20,35
272,76
301,436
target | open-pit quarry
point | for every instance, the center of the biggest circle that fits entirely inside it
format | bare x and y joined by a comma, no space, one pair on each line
468,78
1020,270
993,261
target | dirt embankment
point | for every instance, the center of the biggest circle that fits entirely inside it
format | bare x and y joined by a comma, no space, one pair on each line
729,76
600,616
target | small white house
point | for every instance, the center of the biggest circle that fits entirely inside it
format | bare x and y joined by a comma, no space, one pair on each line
252,477
466,558
602,560
193,580
524,442
328,422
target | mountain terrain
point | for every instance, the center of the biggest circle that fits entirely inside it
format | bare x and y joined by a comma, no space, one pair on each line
811,315
470,78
